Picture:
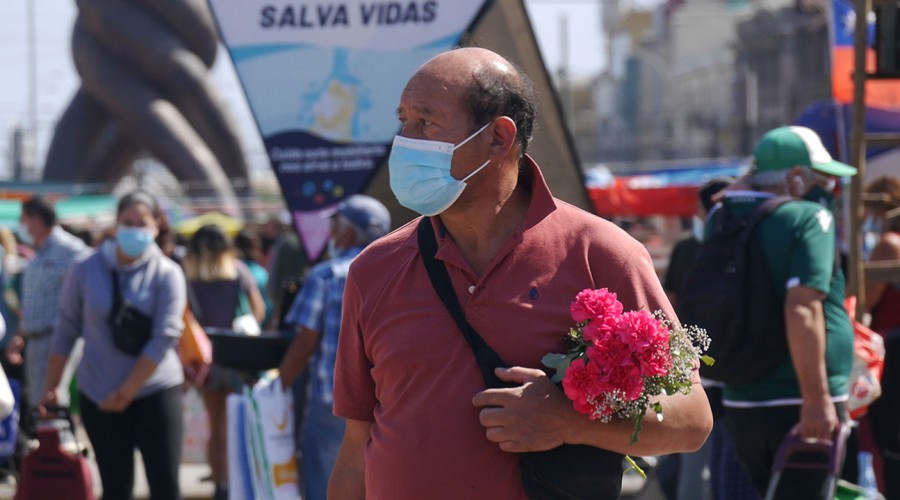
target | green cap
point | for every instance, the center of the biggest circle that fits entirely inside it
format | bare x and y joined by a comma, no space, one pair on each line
787,147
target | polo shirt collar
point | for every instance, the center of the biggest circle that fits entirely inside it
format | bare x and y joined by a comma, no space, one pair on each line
542,203
52,239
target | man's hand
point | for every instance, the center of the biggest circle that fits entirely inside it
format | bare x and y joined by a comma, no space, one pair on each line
49,400
818,420
530,417
14,350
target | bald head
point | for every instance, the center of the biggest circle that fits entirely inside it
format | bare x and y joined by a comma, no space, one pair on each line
491,86
464,62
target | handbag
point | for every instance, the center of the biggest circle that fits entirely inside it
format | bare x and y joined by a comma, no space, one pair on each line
131,329
244,320
194,349
868,364
565,472
194,346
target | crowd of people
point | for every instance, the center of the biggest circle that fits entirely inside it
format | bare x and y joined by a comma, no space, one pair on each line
389,399
61,293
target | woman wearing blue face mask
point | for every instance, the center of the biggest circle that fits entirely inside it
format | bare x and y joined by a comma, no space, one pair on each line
130,398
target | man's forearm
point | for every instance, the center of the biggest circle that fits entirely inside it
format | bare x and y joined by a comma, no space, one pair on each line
346,483
297,356
687,421
348,476
805,324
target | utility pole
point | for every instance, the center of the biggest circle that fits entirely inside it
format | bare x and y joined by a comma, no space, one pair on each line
15,142
30,166
562,73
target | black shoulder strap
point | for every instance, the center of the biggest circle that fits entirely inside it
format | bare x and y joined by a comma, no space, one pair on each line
761,212
117,294
485,356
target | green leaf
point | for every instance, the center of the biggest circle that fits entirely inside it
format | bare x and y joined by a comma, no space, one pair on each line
638,425
562,367
553,360
708,360
657,407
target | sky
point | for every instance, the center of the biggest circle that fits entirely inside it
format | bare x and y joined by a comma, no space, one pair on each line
57,81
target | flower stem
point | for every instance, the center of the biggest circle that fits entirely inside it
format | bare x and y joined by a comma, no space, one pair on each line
634,465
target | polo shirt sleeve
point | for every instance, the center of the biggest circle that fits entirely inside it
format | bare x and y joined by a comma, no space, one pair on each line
812,258
638,286
69,322
309,305
354,387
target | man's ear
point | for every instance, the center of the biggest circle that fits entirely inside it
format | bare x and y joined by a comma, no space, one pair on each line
503,136
796,184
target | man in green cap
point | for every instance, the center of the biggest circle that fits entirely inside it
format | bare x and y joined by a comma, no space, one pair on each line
808,389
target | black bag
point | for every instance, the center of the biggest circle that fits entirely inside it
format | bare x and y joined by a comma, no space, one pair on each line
568,472
131,329
728,292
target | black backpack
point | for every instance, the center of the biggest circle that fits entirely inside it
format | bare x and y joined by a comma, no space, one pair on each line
728,292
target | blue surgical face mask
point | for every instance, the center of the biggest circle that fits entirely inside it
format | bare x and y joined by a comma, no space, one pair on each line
133,240
420,173
23,234
331,249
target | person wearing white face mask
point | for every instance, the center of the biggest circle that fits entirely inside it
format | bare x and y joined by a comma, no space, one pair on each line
420,422
55,252
130,377
315,316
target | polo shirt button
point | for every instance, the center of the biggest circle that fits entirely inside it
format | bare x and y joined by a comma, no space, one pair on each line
472,289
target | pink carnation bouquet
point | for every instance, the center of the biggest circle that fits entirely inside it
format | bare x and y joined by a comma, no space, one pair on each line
620,360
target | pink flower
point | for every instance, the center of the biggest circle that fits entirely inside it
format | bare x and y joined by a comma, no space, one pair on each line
647,340
618,361
600,309
580,384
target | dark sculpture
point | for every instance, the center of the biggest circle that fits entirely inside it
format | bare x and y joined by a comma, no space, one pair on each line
143,66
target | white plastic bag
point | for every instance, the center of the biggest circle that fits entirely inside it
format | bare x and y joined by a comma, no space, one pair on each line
240,484
261,451
7,400
274,413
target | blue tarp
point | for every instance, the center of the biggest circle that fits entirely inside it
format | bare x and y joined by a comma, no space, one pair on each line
832,121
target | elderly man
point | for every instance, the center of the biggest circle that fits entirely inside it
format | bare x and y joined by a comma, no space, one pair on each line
55,251
420,423
316,316
808,389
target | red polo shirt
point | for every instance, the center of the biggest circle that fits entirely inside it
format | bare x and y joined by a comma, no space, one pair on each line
403,364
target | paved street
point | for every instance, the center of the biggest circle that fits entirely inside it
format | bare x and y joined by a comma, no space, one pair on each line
192,486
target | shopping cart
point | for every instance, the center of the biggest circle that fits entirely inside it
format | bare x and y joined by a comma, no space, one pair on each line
810,454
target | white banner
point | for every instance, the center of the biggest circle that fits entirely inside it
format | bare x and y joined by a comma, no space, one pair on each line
323,80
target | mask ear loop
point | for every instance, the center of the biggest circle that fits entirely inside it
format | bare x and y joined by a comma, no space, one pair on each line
467,139
464,179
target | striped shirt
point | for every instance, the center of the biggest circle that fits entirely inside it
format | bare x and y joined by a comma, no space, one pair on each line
43,277
318,307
